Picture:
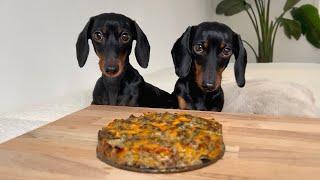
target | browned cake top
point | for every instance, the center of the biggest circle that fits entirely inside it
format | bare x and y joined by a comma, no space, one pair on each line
161,142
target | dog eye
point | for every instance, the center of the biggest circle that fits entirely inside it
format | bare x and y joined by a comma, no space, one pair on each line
227,51
198,48
97,36
125,37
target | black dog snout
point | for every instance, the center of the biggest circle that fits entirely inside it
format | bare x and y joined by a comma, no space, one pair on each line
112,69
208,86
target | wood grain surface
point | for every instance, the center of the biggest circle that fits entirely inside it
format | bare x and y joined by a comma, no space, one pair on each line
257,147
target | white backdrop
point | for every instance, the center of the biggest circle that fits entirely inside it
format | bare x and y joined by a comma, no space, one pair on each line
37,49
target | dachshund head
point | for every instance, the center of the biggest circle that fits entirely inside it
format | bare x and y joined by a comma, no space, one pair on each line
206,49
112,36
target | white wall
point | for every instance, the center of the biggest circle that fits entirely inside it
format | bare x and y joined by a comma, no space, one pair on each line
37,49
286,50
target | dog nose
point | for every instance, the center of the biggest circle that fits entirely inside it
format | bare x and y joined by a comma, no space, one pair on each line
112,69
208,86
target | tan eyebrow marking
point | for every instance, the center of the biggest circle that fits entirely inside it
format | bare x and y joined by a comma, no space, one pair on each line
206,44
222,45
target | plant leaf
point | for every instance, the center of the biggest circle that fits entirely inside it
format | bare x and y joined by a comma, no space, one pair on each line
289,4
313,37
236,9
231,7
308,16
291,28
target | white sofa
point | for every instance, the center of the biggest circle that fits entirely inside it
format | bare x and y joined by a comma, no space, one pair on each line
277,88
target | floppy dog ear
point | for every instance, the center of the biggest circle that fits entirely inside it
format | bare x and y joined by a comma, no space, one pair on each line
82,45
142,49
181,54
240,64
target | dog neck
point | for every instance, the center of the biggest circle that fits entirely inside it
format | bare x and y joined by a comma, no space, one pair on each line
113,84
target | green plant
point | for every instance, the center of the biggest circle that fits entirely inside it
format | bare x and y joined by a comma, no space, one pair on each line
305,21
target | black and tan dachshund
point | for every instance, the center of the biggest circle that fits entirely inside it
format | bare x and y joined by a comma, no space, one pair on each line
200,56
120,84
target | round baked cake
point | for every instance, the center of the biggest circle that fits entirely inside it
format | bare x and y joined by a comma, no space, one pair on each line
161,143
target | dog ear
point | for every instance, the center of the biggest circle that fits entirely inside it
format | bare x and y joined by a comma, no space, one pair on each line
181,54
82,45
142,49
240,64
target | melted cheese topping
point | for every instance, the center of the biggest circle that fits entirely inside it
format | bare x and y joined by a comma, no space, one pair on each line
161,140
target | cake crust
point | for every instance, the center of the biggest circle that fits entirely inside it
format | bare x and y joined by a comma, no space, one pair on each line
161,143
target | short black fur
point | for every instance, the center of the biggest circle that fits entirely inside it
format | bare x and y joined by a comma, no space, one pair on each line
120,84
200,55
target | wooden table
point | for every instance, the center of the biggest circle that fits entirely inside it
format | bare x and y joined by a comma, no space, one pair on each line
257,147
